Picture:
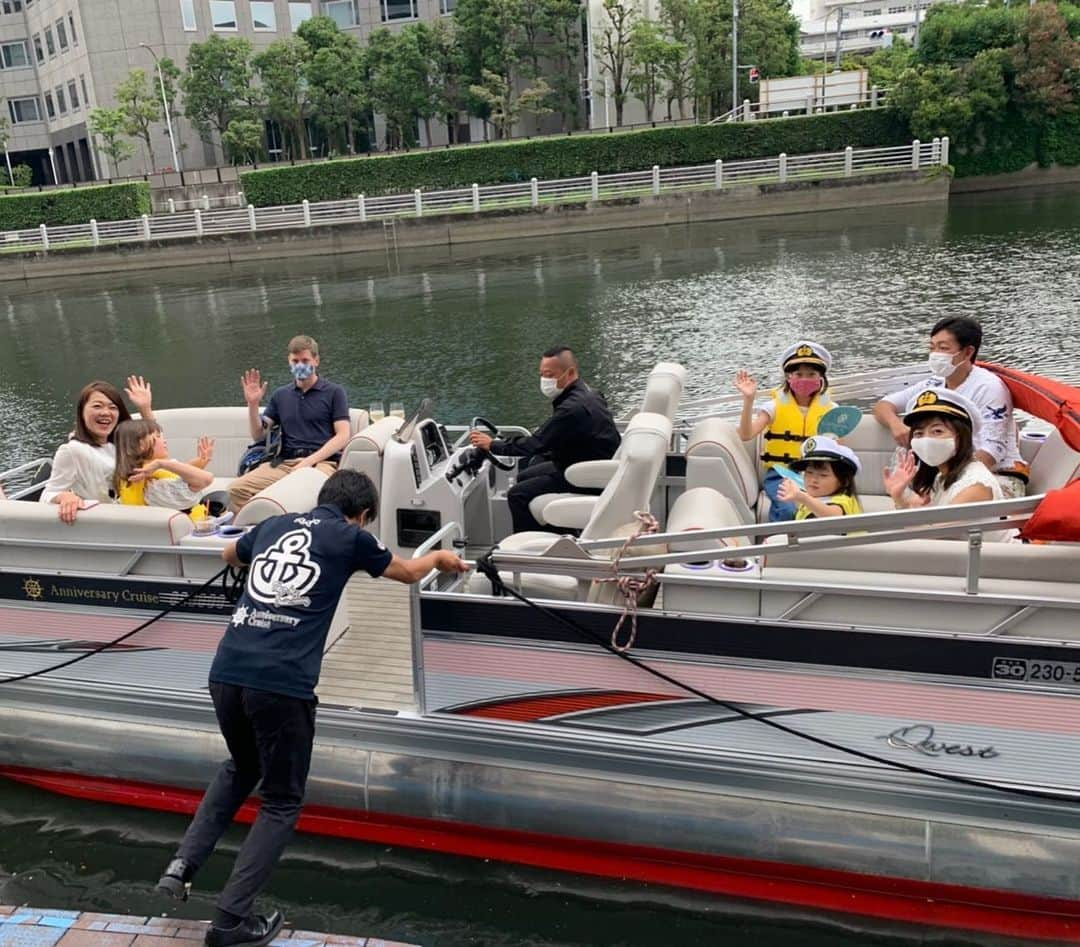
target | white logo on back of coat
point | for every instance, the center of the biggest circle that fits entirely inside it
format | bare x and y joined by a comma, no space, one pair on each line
285,572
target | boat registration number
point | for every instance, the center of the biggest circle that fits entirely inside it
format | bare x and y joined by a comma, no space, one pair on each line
1023,669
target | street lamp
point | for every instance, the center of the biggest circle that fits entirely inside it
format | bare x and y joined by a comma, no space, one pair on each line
734,58
165,102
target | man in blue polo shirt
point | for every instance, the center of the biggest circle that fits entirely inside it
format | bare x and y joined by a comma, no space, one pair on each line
313,414
262,682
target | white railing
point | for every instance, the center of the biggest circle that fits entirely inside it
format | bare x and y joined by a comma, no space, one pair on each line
199,222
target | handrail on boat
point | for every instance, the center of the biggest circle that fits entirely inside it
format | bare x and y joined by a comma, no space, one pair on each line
430,543
572,557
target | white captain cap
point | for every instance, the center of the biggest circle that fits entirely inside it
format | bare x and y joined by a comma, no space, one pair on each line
944,403
824,448
805,352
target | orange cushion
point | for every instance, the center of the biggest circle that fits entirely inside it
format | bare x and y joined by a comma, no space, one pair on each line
1057,517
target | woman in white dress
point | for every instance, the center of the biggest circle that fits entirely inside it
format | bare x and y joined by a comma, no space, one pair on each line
941,468
83,467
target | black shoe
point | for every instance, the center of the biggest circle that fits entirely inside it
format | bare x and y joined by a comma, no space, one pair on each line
176,882
255,931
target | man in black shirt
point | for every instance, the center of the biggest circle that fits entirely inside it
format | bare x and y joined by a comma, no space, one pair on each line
580,428
262,683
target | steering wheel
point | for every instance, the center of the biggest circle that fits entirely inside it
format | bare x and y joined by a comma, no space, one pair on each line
479,423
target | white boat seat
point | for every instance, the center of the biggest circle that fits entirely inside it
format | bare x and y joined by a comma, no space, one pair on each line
1054,465
297,492
644,450
364,453
663,392
717,458
105,523
228,426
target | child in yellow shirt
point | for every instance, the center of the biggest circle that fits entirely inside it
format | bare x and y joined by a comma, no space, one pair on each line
829,469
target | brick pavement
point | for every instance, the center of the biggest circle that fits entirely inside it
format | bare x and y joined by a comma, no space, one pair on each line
47,927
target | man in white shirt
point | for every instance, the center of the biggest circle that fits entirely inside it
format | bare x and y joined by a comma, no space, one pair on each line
954,346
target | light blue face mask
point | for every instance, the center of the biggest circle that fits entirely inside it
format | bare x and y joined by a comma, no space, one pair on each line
302,371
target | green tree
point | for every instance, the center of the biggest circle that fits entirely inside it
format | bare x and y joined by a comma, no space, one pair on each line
396,73
613,47
282,70
448,75
1047,63
650,52
504,107
677,72
563,23
140,102
488,37
337,80
110,125
218,84
243,140
884,66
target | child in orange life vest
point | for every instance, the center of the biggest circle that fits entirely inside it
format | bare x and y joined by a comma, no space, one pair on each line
829,470
147,476
789,416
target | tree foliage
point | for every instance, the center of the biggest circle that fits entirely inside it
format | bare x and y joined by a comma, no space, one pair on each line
140,102
281,69
218,85
111,126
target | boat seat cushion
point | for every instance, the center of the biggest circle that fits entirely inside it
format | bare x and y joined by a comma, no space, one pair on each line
297,492
106,523
1054,465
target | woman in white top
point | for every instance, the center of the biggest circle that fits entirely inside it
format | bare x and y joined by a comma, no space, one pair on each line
83,468
946,471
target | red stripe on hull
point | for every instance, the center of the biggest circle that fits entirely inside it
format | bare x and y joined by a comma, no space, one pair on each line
898,899
555,705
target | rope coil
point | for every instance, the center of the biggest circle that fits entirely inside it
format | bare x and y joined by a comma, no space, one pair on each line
632,587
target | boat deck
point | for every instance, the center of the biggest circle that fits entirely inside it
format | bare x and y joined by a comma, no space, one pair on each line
370,665
46,927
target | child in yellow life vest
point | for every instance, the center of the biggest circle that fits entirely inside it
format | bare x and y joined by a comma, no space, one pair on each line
789,416
829,471
147,476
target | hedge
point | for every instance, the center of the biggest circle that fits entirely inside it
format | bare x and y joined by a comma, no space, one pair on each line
75,206
571,156
1016,144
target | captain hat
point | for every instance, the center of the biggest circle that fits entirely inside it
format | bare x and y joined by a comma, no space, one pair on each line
805,352
944,402
820,447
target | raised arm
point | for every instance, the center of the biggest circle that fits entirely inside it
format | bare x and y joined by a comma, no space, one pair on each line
254,389
140,395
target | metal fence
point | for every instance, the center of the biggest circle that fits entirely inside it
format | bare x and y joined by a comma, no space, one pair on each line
534,193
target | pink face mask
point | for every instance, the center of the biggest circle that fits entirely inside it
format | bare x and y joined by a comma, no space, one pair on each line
805,387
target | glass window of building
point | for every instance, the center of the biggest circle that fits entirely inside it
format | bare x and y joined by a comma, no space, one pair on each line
61,34
223,14
263,18
14,55
85,94
71,30
299,13
49,107
73,95
446,7
24,110
61,102
399,9
10,6
187,14
50,43
39,50
342,12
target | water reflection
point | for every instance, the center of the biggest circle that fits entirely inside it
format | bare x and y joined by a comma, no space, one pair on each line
465,324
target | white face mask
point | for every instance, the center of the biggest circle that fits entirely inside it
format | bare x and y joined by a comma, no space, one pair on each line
549,387
941,364
933,450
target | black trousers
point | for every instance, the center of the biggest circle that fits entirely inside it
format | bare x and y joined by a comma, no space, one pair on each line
269,737
535,480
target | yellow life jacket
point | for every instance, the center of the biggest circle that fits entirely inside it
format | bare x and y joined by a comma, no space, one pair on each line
134,494
849,504
783,438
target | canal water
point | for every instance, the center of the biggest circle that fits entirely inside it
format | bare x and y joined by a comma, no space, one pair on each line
466,329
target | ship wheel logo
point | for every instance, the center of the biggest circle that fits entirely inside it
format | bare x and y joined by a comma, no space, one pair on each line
33,589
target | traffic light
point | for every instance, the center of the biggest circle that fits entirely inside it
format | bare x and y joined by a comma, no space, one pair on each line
755,74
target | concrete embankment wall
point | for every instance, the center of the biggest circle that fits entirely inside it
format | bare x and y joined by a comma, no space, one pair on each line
453,229
1033,176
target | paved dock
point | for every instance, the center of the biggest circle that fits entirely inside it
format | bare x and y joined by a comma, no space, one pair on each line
46,927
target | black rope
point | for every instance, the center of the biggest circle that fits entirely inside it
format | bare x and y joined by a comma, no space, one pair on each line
485,566
134,631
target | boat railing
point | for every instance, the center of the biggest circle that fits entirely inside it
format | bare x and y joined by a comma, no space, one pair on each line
23,480
577,558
